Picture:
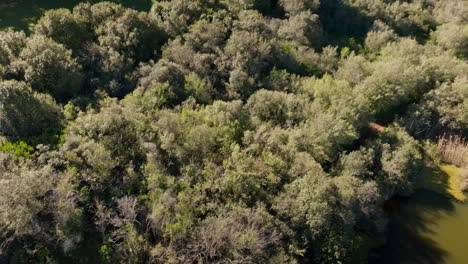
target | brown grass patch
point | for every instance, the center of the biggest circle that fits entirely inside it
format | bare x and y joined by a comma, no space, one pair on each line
454,150
375,128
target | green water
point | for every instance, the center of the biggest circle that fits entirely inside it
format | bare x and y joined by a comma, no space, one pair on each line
428,228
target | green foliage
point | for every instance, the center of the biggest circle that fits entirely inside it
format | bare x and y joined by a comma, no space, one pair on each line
174,17
200,133
441,110
11,44
20,149
22,188
276,107
263,6
49,67
132,34
234,131
53,135
61,26
249,54
453,37
164,78
401,161
101,144
106,253
379,35
324,136
198,88
303,28
24,113
293,7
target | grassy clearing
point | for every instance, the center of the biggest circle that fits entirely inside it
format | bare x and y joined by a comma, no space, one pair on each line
22,15
454,179
445,180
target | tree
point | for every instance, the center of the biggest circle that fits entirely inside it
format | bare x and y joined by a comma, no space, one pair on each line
93,15
276,107
379,35
123,38
132,34
308,204
247,235
67,213
293,7
282,80
323,135
359,204
332,94
221,131
23,187
400,162
164,72
61,26
107,70
442,110
263,6
24,113
175,17
354,69
451,12
11,44
382,92
106,149
245,59
50,68
195,134
453,37
198,49
303,28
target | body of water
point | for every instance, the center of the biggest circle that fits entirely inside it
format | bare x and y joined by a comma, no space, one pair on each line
427,228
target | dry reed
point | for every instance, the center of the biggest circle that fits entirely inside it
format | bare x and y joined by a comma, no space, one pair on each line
464,179
453,149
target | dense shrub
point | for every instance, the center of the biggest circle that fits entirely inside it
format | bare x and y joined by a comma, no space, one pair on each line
233,131
49,67
61,26
24,113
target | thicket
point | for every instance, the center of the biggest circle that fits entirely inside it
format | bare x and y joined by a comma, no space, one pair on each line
231,131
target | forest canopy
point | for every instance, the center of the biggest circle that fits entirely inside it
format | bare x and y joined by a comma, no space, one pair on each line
221,131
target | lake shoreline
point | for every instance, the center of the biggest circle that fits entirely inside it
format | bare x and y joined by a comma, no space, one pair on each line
423,226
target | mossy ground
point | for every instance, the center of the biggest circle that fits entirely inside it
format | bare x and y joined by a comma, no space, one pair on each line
453,174
443,179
